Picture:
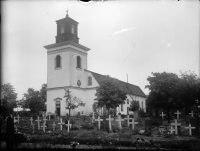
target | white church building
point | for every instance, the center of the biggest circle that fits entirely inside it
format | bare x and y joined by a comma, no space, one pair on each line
67,69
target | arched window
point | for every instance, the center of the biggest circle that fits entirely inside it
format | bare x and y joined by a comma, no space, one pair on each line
78,60
58,61
89,80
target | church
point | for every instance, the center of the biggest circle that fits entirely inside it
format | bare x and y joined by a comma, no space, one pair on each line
67,69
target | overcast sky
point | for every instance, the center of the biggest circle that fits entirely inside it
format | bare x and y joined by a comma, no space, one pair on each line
125,37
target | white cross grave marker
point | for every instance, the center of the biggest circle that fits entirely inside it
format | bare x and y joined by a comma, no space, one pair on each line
171,130
31,120
68,126
61,123
17,118
49,114
162,115
38,120
43,126
110,119
45,119
190,129
54,126
177,114
191,113
16,129
133,123
128,120
120,120
176,125
99,121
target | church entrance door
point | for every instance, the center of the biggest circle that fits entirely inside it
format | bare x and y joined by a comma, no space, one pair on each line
58,107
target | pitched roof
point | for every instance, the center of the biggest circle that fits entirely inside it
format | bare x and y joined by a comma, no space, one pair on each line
129,88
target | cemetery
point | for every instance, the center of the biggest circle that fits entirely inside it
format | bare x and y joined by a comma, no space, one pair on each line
103,132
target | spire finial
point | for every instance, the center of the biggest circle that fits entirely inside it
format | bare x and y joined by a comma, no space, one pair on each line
67,13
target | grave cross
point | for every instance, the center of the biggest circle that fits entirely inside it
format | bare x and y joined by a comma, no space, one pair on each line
16,129
162,115
17,118
43,126
61,123
171,130
99,121
110,119
133,123
176,125
38,120
177,114
192,113
120,120
31,120
190,129
45,119
128,120
68,126
49,114
54,126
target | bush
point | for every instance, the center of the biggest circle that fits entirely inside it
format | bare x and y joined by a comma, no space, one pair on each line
74,128
87,126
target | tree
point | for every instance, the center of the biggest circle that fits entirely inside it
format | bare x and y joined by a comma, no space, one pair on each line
109,93
72,102
8,99
43,92
188,89
162,94
134,106
33,100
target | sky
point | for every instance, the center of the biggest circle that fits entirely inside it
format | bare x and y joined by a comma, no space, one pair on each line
133,38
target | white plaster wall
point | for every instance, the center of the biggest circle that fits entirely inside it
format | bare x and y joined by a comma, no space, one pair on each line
76,73
94,82
58,77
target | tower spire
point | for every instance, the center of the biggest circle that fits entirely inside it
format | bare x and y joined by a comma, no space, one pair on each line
67,13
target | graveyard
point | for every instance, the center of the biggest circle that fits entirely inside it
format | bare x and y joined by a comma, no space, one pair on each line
103,132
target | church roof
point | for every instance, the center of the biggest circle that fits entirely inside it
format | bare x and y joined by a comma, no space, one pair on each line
129,88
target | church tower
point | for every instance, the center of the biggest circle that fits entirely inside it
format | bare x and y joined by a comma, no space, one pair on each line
66,61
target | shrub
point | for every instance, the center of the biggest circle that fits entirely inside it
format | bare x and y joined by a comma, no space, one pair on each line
74,128
87,126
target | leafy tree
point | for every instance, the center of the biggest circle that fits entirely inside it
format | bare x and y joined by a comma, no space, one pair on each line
33,100
188,89
72,102
43,92
8,99
109,94
134,106
162,94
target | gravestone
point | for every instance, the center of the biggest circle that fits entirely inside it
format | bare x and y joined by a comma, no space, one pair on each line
194,123
161,129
